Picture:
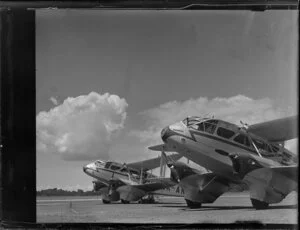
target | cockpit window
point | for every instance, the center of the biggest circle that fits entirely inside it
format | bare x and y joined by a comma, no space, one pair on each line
185,121
208,126
99,163
226,133
191,120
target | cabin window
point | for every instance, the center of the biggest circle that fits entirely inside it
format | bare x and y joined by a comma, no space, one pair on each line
134,172
201,127
114,167
107,165
260,144
274,148
226,133
242,139
269,148
287,158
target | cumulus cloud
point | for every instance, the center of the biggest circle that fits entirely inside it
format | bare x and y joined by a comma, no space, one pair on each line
292,145
233,109
81,128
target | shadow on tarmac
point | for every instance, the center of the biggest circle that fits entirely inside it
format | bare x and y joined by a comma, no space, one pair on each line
211,208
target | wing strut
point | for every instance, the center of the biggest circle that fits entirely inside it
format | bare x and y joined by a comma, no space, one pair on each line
256,149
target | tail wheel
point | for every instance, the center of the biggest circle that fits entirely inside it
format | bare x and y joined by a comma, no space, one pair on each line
124,201
105,201
193,204
257,204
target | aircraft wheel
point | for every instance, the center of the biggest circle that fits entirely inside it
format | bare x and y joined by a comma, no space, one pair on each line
257,204
105,201
124,201
193,204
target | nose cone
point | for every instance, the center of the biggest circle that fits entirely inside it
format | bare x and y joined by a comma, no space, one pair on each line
165,133
88,168
84,168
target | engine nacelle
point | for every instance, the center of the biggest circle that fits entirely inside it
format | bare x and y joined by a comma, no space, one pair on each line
97,185
243,163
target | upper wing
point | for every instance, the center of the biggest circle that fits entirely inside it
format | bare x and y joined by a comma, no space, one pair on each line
151,163
276,130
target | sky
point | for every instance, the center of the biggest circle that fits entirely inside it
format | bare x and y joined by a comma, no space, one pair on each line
109,81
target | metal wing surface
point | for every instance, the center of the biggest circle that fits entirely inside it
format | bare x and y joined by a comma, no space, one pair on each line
151,163
276,130
152,185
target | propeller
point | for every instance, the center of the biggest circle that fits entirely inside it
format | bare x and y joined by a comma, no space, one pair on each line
245,126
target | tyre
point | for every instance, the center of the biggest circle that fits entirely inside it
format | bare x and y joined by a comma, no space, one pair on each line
124,201
105,201
193,204
257,204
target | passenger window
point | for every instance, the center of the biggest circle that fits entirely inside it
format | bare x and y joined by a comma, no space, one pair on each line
242,139
107,165
247,142
226,133
275,148
260,144
269,148
201,127
134,172
114,167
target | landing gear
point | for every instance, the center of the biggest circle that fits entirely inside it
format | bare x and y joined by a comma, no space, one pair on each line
257,204
105,201
193,204
124,201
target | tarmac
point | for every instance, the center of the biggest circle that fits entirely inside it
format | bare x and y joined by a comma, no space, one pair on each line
229,208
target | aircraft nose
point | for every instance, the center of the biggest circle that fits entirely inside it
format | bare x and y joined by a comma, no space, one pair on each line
89,167
165,133
85,168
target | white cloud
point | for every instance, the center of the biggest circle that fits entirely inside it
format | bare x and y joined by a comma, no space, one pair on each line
233,109
54,100
292,145
81,128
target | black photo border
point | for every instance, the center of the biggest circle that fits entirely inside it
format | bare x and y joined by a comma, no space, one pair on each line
18,104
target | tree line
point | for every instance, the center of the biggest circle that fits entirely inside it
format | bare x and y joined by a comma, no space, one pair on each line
61,192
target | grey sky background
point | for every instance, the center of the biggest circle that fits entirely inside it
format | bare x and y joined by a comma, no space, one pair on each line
152,58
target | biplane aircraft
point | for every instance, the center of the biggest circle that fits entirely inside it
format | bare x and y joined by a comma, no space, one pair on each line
130,182
248,155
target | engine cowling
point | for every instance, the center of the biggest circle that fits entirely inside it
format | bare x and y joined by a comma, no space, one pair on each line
179,171
97,186
243,164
